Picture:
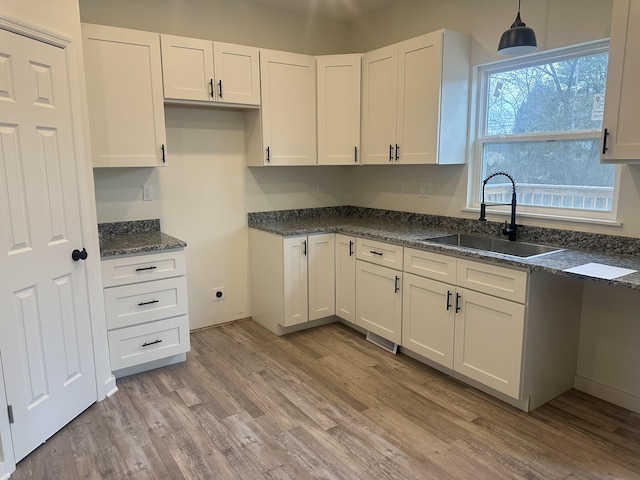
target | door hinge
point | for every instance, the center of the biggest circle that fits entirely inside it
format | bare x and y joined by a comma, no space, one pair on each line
10,412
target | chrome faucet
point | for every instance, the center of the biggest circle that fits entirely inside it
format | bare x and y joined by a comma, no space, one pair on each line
509,229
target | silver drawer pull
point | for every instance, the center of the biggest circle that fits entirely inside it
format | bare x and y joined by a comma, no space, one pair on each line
148,303
375,253
146,344
145,268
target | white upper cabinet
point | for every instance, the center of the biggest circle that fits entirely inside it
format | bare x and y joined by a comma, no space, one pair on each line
338,92
284,133
415,101
621,137
205,71
379,105
124,94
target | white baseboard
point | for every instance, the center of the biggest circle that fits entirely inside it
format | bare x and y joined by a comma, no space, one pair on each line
605,392
110,386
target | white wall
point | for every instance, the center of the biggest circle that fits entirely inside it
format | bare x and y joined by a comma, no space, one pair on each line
234,21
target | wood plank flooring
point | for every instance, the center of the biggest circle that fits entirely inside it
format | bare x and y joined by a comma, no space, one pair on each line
326,404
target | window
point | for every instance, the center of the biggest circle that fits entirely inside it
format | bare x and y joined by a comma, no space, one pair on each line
540,121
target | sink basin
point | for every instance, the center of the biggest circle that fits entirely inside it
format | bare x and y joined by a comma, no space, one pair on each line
496,245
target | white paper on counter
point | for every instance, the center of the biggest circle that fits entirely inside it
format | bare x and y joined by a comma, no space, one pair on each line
599,270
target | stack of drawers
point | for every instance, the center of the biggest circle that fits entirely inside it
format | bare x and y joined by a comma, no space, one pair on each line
146,307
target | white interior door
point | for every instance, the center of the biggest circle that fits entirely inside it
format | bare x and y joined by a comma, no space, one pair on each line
45,339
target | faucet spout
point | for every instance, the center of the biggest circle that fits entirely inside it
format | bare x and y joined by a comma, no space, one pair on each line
509,229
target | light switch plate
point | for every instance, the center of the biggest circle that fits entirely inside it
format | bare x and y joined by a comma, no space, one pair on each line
147,193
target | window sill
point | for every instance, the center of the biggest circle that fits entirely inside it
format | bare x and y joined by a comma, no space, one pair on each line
551,218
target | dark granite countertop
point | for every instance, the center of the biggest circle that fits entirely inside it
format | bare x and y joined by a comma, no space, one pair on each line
133,237
414,230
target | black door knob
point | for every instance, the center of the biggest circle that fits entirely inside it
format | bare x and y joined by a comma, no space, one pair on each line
79,255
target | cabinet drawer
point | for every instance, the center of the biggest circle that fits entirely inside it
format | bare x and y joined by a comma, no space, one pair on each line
430,265
142,268
497,281
145,302
381,253
151,341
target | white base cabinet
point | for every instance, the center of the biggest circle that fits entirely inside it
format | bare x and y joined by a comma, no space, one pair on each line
508,332
379,300
379,288
495,327
146,308
428,318
292,279
346,277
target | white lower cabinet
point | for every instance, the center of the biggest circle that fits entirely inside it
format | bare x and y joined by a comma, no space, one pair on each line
346,277
488,340
292,279
466,330
427,318
146,309
498,327
509,332
379,288
379,300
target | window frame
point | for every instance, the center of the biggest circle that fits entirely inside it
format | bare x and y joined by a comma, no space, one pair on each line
479,139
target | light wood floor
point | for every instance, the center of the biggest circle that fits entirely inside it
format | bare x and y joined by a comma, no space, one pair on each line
327,404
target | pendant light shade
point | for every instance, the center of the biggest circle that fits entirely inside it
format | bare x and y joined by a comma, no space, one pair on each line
518,39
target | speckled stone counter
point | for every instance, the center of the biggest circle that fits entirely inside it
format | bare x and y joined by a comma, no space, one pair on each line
414,230
138,236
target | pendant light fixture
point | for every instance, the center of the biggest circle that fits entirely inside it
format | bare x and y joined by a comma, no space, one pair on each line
518,39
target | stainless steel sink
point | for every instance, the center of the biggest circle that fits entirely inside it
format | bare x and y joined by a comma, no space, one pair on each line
496,245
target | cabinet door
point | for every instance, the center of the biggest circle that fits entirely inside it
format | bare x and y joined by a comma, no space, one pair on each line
419,76
428,318
379,105
622,108
489,340
237,73
125,98
187,68
321,270
379,300
288,110
346,278
296,309
338,109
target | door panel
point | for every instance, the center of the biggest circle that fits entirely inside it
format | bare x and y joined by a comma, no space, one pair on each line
46,334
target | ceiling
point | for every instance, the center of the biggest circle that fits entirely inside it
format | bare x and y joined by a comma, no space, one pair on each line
344,10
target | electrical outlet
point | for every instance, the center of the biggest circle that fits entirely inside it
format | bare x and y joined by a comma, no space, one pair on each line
424,190
147,193
319,186
399,188
217,294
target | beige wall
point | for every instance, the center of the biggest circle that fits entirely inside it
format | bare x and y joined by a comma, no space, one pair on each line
234,21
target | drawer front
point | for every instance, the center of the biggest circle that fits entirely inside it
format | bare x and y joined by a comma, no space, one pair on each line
494,280
430,265
151,341
381,253
143,268
145,302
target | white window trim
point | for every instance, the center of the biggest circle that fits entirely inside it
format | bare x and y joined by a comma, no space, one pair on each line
480,73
